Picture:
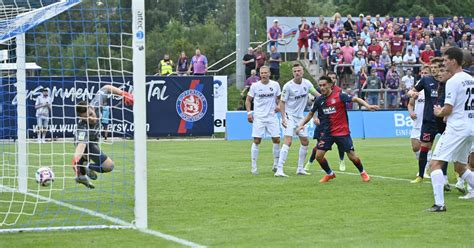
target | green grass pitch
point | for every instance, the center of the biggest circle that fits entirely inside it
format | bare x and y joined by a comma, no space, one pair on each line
202,191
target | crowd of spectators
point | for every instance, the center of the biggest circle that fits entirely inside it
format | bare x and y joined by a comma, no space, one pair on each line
377,53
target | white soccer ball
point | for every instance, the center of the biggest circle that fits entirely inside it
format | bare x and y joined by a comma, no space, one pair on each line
44,176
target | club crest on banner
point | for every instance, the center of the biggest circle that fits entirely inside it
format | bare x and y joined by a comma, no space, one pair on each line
191,105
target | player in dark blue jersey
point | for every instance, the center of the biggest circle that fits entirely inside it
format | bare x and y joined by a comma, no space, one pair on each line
88,157
317,134
334,126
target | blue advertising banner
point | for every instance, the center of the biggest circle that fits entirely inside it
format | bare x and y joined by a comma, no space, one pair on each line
176,106
238,128
387,124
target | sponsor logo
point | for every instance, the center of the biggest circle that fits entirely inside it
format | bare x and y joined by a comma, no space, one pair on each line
329,110
191,105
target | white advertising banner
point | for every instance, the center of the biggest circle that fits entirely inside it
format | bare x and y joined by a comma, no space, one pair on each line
220,103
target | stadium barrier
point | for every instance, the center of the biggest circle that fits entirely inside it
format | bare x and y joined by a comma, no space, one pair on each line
363,124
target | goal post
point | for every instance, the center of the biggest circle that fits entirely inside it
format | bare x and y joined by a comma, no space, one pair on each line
72,49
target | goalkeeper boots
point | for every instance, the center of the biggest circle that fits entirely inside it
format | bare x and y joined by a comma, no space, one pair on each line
83,180
91,174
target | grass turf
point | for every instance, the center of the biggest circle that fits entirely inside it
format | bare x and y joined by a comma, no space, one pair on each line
203,191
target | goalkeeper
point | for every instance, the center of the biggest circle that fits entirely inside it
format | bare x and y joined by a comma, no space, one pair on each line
88,158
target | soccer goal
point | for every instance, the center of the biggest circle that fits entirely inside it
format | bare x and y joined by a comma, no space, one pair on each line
71,51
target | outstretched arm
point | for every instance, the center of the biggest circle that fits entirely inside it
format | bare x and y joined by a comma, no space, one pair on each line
127,97
305,120
365,104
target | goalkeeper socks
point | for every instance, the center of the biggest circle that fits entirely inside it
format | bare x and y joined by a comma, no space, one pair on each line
302,156
95,167
340,149
254,154
283,154
358,165
276,153
325,166
313,154
422,161
445,168
437,181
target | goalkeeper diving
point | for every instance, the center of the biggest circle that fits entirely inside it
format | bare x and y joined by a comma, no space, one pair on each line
88,158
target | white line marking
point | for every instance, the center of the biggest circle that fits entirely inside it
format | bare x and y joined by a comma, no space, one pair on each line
109,218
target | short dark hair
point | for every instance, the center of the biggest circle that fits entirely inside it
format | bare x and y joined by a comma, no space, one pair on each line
296,65
455,53
81,107
326,78
331,73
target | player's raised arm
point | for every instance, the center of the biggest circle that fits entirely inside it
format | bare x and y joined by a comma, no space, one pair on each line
314,92
127,97
365,104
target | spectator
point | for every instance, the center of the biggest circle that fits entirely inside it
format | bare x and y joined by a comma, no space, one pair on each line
324,52
403,96
380,67
463,43
415,49
198,64
357,63
325,31
183,64
336,59
260,58
426,55
408,80
397,45
348,56
248,82
303,37
275,59
43,110
431,21
362,78
166,66
365,35
374,46
373,82
360,48
349,24
105,120
274,34
392,83
314,40
249,61
397,60
409,59
438,42
418,22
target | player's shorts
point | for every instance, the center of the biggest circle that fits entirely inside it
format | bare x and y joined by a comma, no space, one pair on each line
42,122
453,147
345,142
302,42
429,132
93,153
261,126
291,124
415,133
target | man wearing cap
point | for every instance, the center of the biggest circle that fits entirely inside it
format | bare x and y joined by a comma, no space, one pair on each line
43,109
303,37
360,23
274,34
314,42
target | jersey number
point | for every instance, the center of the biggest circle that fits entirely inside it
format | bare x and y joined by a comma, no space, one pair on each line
470,99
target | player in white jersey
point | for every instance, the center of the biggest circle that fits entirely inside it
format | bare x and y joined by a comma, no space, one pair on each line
293,101
43,110
456,142
415,107
265,95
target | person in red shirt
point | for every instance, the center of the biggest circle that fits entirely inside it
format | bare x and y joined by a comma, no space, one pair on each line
396,45
303,37
325,31
334,126
374,46
426,55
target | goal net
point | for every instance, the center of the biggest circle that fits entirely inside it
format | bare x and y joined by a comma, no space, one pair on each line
54,56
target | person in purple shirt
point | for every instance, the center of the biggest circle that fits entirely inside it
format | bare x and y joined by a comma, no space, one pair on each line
325,51
274,34
198,64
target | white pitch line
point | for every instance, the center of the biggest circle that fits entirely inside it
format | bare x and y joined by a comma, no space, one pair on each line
111,219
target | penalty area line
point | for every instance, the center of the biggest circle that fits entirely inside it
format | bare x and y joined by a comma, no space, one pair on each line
108,218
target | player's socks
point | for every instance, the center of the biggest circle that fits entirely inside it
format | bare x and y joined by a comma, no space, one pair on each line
417,155
468,177
254,155
358,165
437,181
325,166
96,168
422,161
302,156
341,152
283,154
313,154
276,154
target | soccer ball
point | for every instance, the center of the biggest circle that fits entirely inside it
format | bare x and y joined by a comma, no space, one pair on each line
44,176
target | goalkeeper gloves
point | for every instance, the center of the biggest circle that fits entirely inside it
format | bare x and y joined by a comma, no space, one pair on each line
127,98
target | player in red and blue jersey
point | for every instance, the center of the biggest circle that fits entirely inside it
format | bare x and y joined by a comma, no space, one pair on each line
334,126
317,134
